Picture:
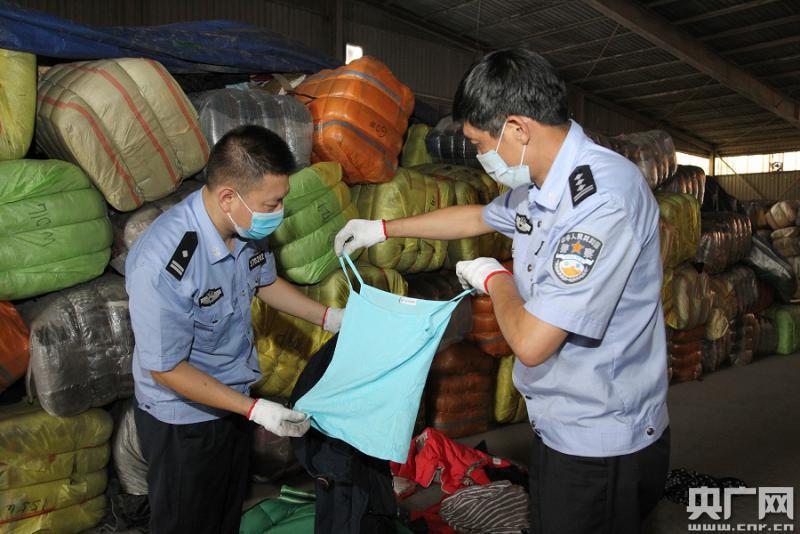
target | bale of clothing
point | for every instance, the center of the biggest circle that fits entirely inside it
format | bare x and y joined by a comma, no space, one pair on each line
17,102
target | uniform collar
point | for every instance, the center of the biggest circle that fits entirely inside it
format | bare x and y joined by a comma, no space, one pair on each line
549,196
214,244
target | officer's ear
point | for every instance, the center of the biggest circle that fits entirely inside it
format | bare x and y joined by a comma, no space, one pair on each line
519,128
225,195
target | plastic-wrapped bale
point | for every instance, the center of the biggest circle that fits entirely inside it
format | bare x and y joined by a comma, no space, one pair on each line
126,122
128,226
485,331
682,212
782,214
687,179
414,150
667,296
767,341
787,325
744,330
317,207
221,110
724,308
53,469
17,103
716,352
509,406
686,354
285,343
724,240
360,113
743,281
666,234
691,299
492,245
14,353
447,144
766,297
409,193
652,151
126,451
55,230
460,391
81,346
271,456
794,264
757,211
786,241
444,286
771,268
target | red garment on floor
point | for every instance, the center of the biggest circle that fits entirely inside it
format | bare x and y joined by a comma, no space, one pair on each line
458,465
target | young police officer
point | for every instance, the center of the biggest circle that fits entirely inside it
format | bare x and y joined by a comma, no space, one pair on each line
190,278
582,311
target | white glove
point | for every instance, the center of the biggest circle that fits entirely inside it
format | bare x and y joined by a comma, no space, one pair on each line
332,320
476,273
359,233
278,419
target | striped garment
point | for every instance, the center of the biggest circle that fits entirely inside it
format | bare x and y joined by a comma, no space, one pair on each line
497,508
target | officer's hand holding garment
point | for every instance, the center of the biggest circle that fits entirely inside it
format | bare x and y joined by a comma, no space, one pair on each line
476,273
332,322
278,419
359,233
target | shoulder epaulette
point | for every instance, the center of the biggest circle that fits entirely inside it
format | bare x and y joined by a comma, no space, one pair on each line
581,184
183,255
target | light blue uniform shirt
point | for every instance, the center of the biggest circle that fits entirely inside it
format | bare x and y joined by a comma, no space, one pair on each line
190,301
587,260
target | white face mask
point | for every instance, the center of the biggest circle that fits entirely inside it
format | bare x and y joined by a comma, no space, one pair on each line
500,172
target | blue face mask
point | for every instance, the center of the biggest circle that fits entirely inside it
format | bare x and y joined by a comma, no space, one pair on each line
499,170
262,224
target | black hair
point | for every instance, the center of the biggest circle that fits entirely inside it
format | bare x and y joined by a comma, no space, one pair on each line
513,81
245,154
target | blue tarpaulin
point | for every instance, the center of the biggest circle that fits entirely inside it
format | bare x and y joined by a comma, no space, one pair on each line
191,47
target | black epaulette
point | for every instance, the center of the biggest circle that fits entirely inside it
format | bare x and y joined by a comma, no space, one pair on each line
183,255
581,184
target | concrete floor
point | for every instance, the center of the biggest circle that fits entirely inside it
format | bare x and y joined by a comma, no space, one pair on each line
738,422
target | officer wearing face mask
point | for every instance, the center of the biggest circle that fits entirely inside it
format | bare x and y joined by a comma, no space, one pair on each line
581,311
191,278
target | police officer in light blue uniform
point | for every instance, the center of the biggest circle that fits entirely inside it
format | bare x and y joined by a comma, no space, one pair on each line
582,311
191,277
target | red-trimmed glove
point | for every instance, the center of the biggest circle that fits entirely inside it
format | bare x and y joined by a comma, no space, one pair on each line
332,320
477,273
278,419
359,233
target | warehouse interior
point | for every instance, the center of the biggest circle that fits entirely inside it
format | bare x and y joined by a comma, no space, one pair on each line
686,89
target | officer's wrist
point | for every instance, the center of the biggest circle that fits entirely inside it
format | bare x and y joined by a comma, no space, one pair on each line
491,276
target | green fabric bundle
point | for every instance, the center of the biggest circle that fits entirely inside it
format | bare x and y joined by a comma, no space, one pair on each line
55,231
787,323
317,207
414,150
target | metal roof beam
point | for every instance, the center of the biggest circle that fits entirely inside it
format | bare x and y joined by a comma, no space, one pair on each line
447,10
554,31
749,119
751,28
714,112
791,39
677,42
725,11
662,94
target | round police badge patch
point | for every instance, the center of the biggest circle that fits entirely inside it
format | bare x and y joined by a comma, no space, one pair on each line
575,256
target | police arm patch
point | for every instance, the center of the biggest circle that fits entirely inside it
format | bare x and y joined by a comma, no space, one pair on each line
575,256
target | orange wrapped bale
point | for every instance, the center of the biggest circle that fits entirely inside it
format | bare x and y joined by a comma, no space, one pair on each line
360,114
14,355
485,330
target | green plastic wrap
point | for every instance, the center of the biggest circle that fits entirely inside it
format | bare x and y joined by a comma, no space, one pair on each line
509,406
787,323
409,193
55,231
414,150
18,103
36,447
317,207
285,343
682,212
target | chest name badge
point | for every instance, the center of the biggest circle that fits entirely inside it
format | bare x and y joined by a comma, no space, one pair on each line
575,256
210,297
523,223
258,259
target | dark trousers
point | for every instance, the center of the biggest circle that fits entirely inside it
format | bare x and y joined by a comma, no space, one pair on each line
197,474
579,495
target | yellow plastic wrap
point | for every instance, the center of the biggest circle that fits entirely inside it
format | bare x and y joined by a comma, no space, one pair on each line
285,343
509,406
17,103
692,297
36,447
69,520
409,193
38,499
414,150
493,245
682,212
666,293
